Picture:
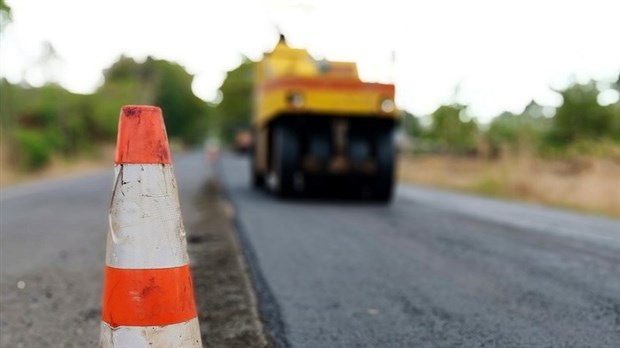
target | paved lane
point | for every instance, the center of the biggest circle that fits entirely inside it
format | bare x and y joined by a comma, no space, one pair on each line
52,244
433,269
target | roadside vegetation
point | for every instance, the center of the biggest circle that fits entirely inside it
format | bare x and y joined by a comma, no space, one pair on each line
40,124
44,129
567,157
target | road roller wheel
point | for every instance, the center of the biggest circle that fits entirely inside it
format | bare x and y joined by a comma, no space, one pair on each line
385,154
285,160
258,179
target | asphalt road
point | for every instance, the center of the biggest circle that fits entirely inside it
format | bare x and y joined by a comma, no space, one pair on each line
433,269
52,254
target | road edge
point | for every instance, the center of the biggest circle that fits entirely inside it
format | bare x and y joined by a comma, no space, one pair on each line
268,307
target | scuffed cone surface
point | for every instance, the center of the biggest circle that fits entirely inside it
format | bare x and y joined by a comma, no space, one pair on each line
142,136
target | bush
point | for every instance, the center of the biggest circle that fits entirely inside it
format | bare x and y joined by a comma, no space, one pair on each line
452,133
581,117
33,148
517,133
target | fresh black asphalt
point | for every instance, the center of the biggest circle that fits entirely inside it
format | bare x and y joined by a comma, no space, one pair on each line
432,269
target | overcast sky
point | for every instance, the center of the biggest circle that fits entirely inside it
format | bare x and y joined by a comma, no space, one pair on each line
500,53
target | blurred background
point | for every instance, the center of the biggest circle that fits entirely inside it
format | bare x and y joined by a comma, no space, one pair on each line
515,98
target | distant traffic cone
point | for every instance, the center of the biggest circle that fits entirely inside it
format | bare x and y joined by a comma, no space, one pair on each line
148,297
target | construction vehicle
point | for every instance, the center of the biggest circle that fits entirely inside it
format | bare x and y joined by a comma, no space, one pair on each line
317,126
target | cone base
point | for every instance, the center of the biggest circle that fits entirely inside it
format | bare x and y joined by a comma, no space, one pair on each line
185,334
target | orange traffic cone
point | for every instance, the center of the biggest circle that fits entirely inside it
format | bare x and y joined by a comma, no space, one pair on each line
148,297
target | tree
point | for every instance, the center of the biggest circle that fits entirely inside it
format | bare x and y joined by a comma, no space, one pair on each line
452,133
411,124
581,117
235,109
156,82
518,132
185,114
5,15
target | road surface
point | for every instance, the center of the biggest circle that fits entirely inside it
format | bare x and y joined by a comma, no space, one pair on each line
433,269
52,254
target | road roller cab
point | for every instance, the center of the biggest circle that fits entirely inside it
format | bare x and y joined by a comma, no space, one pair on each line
317,123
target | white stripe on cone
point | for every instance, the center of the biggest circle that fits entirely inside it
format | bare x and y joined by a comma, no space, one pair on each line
146,228
183,335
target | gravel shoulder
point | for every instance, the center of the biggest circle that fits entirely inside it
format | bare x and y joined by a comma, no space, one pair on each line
226,302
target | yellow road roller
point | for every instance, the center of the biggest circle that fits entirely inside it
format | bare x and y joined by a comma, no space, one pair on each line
319,128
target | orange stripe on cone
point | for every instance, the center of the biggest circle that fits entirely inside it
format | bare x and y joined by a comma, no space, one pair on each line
148,297
142,136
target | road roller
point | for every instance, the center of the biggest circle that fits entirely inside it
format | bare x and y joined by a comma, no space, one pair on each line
319,128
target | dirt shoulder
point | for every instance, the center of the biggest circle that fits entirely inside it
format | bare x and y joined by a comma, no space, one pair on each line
587,184
99,159
11,174
226,303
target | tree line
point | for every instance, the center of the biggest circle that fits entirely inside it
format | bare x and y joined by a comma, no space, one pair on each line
39,123
580,124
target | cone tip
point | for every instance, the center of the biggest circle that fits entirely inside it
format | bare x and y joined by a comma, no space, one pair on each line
142,136
136,110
